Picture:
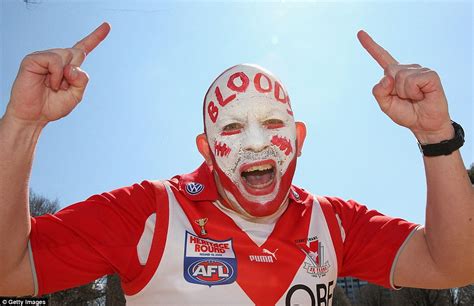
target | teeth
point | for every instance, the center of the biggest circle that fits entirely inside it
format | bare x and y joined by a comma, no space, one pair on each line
259,168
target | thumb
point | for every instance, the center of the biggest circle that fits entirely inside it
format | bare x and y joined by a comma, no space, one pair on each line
77,79
382,92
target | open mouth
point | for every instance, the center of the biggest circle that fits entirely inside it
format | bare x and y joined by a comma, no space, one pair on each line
259,178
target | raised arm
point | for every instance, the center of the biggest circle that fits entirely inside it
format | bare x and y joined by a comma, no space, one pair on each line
440,254
48,86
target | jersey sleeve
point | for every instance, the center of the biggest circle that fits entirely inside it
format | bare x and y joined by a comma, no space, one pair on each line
90,239
371,241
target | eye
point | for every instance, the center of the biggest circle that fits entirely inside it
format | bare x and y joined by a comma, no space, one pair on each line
273,123
231,129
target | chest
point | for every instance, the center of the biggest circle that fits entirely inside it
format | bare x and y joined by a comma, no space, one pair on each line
208,259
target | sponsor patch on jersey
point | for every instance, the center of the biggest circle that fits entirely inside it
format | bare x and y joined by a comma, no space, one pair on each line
209,262
194,188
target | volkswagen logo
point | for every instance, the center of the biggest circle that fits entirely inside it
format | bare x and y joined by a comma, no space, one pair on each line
194,188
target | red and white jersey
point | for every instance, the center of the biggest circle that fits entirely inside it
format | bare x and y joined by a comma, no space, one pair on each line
171,244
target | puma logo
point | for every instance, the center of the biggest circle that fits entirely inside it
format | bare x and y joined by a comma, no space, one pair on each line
265,251
269,258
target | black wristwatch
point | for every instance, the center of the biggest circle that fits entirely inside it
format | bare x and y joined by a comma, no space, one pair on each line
445,147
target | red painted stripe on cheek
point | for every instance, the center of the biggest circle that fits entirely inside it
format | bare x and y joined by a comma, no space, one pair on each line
221,149
283,144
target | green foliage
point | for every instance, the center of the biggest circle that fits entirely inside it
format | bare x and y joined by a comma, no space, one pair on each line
373,295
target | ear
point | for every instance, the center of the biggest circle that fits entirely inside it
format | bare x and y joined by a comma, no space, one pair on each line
203,147
300,137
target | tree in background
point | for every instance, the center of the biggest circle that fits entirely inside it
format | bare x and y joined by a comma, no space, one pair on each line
114,292
421,297
373,295
40,205
462,296
340,298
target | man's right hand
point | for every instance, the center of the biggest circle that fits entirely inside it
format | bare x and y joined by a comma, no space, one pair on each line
51,83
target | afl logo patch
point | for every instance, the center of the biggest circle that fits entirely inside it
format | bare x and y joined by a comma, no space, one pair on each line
211,272
194,188
209,262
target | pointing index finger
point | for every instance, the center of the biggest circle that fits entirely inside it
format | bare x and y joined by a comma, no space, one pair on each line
375,50
88,43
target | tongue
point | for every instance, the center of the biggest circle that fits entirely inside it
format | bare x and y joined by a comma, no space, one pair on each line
255,179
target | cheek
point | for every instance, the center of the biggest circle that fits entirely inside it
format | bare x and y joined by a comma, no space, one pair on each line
284,140
283,144
226,153
221,149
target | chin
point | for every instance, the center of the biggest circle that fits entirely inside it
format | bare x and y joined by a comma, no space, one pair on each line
258,202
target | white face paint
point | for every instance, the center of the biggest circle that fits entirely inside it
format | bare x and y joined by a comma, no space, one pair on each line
252,135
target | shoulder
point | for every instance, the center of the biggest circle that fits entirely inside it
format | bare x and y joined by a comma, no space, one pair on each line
337,204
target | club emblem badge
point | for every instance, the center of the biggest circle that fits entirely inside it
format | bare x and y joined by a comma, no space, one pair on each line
316,264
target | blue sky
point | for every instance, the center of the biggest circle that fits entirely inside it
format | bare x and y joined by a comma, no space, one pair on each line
142,109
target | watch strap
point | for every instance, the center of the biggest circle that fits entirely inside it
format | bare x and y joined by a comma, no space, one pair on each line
444,147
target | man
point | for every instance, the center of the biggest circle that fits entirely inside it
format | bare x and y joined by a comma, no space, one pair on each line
235,231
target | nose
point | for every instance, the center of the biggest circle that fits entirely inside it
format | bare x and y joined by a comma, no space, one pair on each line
256,139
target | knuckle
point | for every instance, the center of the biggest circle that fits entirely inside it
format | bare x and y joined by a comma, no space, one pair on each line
410,79
68,55
433,74
374,91
28,59
78,54
55,58
392,69
402,73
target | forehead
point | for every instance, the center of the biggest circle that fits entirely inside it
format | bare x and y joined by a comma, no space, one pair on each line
253,107
245,88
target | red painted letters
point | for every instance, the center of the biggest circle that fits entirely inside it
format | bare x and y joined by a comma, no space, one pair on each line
223,102
278,91
257,82
243,78
213,111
